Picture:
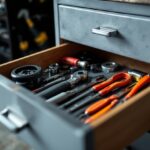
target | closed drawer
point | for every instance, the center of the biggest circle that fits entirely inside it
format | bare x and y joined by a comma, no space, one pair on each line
51,128
108,5
88,26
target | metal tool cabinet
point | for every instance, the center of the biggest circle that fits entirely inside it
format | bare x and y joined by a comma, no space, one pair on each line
122,37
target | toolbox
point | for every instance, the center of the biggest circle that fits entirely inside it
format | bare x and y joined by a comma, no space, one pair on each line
111,30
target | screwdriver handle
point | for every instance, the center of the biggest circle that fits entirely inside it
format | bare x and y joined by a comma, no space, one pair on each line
70,61
141,83
54,90
100,104
116,77
59,97
124,78
101,112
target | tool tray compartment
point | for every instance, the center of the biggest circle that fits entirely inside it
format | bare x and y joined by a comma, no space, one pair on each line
52,128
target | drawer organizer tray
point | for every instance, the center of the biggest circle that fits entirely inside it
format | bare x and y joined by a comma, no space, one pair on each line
47,127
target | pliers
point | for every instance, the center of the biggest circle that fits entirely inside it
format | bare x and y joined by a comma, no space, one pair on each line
118,80
103,106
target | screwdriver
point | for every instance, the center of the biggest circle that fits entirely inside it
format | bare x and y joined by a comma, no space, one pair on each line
65,85
50,84
106,101
65,95
77,98
119,79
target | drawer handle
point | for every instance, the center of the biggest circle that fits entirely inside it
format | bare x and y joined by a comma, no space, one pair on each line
109,32
12,121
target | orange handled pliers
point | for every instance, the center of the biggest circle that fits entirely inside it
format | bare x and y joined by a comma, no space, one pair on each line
118,80
104,105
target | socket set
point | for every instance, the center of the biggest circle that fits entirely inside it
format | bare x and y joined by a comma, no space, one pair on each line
84,86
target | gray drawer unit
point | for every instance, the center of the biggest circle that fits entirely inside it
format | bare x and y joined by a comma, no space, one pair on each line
45,126
126,35
108,5
42,126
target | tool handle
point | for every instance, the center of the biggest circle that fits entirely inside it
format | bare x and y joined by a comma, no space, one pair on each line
141,83
52,78
60,97
80,89
54,90
77,98
101,112
99,105
49,84
70,61
125,77
84,102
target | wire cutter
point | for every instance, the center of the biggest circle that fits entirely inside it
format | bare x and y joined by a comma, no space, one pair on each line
118,80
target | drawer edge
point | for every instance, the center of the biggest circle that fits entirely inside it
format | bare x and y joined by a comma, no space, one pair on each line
122,120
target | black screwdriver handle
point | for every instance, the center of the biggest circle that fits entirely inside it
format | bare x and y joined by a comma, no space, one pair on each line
62,97
54,90
44,87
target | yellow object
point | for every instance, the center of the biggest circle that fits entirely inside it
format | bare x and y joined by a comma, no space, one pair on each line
24,45
30,23
41,38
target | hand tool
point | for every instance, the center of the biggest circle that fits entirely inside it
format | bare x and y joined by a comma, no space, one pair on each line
109,67
145,80
106,101
102,106
28,75
40,37
75,62
52,78
102,112
136,74
54,69
45,86
88,85
65,95
95,68
118,80
95,88
65,85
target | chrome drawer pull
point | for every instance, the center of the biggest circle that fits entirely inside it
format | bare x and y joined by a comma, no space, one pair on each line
109,32
13,122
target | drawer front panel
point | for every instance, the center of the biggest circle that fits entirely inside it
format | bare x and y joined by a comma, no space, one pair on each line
109,6
47,128
133,36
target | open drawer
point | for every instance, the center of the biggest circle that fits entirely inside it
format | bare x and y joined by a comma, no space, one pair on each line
47,127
